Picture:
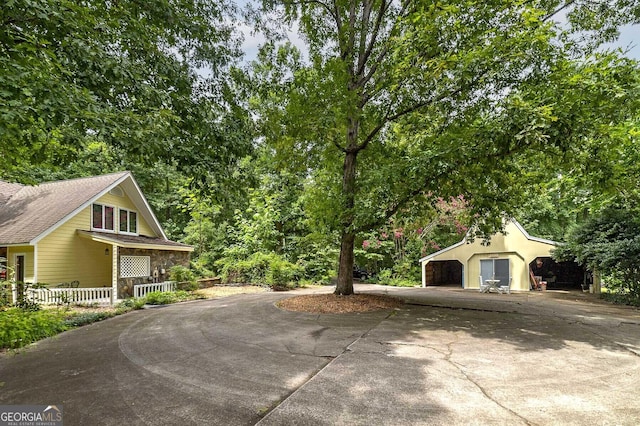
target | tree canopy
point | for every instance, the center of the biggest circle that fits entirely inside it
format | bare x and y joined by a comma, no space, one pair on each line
401,124
404,101
128,74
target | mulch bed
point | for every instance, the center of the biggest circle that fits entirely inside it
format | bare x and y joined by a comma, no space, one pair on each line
333,304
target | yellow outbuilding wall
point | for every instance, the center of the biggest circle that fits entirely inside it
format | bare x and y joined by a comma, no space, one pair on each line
514,245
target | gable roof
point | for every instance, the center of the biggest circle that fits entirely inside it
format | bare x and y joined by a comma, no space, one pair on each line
28,213
464,241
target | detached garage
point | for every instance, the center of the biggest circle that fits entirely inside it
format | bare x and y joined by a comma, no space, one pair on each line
509,257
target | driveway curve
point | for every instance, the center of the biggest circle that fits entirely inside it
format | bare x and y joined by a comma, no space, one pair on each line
446,357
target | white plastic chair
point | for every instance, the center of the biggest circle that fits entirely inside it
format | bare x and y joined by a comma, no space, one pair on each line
484,287
505,288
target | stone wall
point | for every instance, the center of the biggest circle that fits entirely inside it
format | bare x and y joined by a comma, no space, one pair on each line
161,262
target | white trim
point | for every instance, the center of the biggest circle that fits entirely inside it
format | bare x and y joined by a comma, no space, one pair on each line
154,219
35,263
113,217
464,240
105,239
114,274
444,250
529,237
120,231
147,212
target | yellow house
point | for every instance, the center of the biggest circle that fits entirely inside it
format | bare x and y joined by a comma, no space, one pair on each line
97,231
510,257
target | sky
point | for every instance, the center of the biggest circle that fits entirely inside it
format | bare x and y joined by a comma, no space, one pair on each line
629,40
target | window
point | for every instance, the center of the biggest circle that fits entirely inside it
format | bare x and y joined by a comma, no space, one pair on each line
102,217
128,221
495,269
135,266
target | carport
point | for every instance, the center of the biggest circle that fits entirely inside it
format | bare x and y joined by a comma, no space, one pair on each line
444,273
508,257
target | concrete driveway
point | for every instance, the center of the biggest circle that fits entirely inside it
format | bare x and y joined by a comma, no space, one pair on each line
447,357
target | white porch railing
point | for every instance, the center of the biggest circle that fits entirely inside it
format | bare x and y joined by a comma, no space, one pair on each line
141,290
52,296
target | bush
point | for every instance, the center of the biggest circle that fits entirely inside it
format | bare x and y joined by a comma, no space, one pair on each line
129,304
181,274
168,297
19,327
5,294
85,318
282,274
608,242
261,268
386,277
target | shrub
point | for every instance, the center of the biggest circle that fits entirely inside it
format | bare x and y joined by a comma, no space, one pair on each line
85,318
19,327
129,304
181,274
5,294
168,297
608,242
386,277
282,273
261,268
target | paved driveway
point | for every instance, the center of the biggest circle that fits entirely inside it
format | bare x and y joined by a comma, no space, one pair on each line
447,357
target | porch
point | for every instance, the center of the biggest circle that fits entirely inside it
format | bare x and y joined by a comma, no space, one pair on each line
86,296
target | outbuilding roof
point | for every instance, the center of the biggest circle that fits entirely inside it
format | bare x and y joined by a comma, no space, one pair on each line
464,241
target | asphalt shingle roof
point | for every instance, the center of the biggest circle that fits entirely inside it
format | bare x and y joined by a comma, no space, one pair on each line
134,239
28,211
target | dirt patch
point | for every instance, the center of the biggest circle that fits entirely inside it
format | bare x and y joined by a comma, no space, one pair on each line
333,304
222,291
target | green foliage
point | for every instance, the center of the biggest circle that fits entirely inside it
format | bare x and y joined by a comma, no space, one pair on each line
85,318
129,304
261,268
168,297
93,87
282,274
180,274
608,243
5,294
19,327
387,277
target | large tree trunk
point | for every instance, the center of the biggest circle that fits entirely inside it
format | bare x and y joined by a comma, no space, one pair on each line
345,269
344,286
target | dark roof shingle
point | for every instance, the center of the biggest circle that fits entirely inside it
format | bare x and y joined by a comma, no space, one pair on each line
28,211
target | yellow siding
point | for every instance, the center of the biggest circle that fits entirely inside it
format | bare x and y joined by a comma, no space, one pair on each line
64,256
126,203
27,251
513,246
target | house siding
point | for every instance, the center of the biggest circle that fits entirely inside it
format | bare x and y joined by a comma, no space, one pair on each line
28,252
64,256
125,203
